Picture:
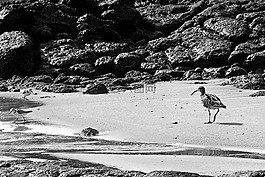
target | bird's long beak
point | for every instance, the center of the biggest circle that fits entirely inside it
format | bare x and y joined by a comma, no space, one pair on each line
10,112
193,92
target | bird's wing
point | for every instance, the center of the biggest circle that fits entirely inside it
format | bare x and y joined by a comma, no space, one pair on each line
215,101
20,111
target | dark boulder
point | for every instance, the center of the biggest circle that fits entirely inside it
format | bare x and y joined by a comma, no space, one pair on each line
89,132
95,88
65,53
17,54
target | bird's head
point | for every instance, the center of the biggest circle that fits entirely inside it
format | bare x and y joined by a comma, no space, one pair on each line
200,89
12,110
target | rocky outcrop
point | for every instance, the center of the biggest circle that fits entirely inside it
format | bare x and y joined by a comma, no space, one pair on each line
95,88
84,40
64,53
17,55
250,81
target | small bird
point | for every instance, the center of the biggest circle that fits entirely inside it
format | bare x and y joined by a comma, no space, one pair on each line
210,101
27,93
19,113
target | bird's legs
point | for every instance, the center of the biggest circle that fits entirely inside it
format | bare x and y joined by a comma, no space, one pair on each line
209,117
24,120
214,117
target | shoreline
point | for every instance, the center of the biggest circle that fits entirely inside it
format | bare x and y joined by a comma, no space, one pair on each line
150,118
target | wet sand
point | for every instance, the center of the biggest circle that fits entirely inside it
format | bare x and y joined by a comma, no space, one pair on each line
169,115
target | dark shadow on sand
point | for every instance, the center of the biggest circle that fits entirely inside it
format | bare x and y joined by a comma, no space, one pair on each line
230,123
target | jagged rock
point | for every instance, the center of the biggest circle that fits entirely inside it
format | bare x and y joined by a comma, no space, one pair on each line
175,73
256,22
161,44
209,49
40,78
96,88
58,88
92,28
83,69
250,81
17,55
83,6
108,48
104,64
192,75
46,69
161,76
65,53
255,61
165,18
89,132
221,9
125,62
235,71
241,51
180,56
70,80
156,61
233,29
3,88
123,13
256,94
213,73
136,76
172,173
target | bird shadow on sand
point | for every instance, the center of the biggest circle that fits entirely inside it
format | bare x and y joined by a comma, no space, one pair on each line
230,123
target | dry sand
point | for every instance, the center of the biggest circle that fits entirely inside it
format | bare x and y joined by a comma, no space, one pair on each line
168,115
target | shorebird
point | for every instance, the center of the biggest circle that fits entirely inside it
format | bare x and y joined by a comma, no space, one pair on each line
210,101
27,93
19,113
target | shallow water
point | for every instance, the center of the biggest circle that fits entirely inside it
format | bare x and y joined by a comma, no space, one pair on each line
7,103
37,140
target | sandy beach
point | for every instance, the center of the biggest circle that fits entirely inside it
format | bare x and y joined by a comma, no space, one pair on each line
167,115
